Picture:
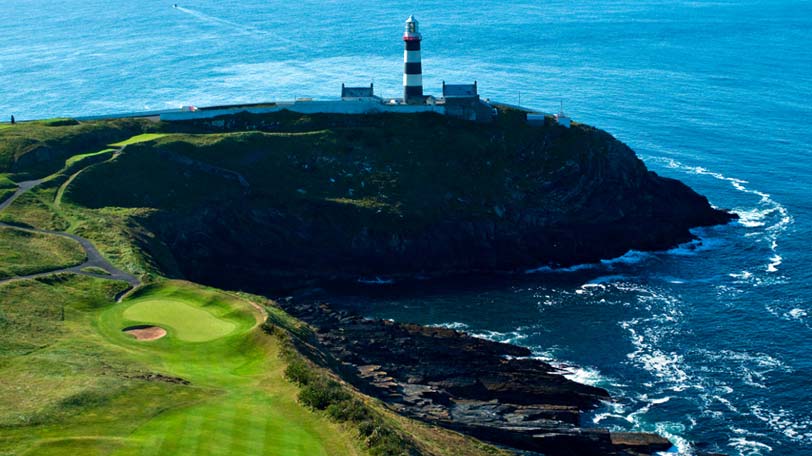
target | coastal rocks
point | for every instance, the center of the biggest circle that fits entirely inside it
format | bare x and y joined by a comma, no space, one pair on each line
486,389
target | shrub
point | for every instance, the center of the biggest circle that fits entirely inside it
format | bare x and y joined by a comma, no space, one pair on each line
318,391
320,394
84,399
350,410
298,372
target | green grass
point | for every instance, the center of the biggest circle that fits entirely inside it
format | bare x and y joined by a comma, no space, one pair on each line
34,209
5,182
139,138
182,317
35,149
95,270
86,388
79,159
22,252
72,382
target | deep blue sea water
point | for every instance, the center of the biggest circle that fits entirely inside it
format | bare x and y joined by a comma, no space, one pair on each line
708,343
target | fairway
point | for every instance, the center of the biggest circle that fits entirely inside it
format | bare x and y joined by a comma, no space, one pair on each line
139,138
74,383
187,321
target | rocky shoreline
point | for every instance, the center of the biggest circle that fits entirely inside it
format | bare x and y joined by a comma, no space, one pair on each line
490,390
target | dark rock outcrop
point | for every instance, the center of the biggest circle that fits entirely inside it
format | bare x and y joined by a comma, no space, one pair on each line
489,390
414,201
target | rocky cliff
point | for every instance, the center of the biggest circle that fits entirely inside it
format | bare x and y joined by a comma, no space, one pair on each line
340,197
493,391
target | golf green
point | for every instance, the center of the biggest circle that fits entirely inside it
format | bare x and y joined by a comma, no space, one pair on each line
184,319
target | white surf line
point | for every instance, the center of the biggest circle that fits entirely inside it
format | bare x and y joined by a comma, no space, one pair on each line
773,231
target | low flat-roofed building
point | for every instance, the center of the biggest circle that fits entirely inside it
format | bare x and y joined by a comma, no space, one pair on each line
462,100
358,93
460,90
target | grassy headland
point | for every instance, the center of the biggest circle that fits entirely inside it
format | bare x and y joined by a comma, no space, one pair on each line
72,381
286,196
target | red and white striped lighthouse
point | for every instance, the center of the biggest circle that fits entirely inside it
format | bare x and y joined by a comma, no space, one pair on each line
412,69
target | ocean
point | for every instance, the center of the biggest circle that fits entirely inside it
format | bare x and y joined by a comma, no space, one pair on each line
707,343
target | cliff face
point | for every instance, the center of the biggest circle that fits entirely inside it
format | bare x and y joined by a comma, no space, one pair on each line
347,197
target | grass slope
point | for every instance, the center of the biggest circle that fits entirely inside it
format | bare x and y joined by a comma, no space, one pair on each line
88,388
22,252
138,139
32,150
72,382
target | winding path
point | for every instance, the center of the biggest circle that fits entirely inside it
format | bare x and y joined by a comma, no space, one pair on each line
94,258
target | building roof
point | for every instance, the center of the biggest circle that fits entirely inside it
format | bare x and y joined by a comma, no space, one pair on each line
459,90
359,92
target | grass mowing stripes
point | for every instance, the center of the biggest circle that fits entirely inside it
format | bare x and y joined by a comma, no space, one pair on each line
96,390
252,410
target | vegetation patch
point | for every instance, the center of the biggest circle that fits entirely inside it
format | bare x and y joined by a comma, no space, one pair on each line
32,150
23,252
95,270
34,209
139,138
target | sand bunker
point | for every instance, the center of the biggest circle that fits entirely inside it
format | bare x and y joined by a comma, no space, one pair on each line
145,332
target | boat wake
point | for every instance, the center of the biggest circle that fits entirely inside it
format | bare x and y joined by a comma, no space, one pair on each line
242,29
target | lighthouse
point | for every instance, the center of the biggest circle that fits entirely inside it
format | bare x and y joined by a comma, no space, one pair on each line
412,69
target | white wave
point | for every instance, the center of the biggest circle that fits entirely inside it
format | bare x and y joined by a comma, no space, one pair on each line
512,337
630,257
603,416
672,432
375,281
584,375
755,217
744,275
749,218
671,279
752,368
749,447
784,422
574,268
665,366
599,281
726,403
703,243
797,314
775,261
453,325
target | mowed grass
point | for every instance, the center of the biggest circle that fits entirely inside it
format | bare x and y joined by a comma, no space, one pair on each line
214,341
183,318
139,138
81,386
23,252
